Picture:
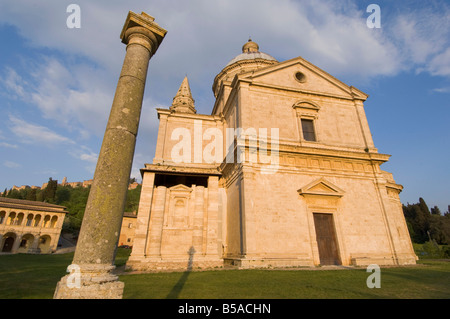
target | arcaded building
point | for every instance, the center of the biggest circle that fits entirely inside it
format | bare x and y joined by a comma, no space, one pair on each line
283,172
30,226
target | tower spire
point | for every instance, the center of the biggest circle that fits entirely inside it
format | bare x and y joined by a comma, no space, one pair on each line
183,101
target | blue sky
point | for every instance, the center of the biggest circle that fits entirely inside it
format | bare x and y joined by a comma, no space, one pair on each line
57,84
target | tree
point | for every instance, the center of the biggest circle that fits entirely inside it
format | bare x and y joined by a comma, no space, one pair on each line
14,193
440,229
31,194
418,216
49,193
76,206
133,196
447,214
435,211
423,206
62,194
425,225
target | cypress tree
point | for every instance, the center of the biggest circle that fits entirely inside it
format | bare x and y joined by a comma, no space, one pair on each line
435,211
49,192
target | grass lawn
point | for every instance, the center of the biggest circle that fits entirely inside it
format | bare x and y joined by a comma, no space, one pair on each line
431,279
35,276
24,276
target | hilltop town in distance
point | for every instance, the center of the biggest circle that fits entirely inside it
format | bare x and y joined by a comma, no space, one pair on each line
85,183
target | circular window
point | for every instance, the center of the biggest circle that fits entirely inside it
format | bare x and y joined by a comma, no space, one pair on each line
299,76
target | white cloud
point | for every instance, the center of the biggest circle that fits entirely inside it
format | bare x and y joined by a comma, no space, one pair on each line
76,96
76,91
11,164
422,37
32,133
4,144
202,37
91,157
440,64
14,84
85,154
442,90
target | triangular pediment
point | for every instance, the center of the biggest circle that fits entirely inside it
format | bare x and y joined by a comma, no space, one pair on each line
180,188
300,75
321,187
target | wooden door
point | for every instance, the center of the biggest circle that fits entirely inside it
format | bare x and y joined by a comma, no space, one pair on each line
326,239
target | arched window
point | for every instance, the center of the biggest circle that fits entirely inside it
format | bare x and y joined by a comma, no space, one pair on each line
53,221
11,218
2,217
37,220
46,222
30,220
19,219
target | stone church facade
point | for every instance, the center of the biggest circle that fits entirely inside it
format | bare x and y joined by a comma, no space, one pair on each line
284,172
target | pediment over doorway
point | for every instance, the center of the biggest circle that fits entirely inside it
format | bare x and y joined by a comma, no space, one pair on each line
181,188
321,187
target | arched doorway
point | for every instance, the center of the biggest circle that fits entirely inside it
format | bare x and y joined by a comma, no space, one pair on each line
8,242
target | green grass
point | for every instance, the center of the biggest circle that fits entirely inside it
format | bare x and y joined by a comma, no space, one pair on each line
35,276
24,276
431,279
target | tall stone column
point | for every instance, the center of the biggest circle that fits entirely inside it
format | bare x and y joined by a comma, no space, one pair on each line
95,252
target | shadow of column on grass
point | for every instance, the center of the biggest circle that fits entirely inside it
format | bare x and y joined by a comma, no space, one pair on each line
175,292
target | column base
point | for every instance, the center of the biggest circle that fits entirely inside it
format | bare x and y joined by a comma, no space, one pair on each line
89,281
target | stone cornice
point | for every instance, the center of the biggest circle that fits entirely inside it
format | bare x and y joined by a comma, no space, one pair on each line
176,170
33,208
195,116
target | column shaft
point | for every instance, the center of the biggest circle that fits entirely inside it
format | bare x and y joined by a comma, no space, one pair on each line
99,234
104,210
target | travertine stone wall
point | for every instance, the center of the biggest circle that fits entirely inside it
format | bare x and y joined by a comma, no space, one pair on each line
185,225
249,216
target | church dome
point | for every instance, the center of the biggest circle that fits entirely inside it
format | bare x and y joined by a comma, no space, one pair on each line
250,46
251,56
249,60
250,51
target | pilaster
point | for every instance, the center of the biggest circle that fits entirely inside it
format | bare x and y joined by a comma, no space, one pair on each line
143,218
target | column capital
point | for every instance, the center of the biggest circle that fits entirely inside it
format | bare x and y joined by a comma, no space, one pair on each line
142,29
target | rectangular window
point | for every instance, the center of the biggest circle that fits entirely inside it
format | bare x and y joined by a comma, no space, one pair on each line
308,130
